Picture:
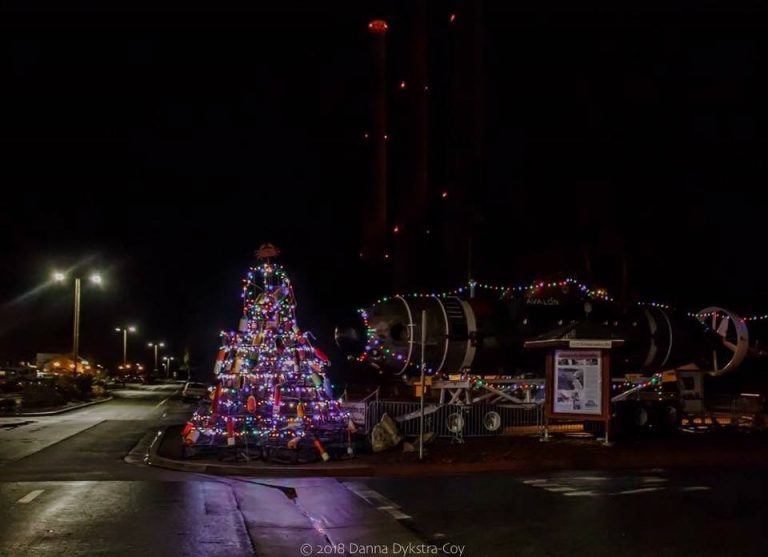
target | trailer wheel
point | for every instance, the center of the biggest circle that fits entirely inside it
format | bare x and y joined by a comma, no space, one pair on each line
669,417
633,417
492,421
455,422
640,416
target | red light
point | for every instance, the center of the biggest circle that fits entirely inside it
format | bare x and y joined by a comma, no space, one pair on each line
452,18
444,194
402,85
378,26
396,229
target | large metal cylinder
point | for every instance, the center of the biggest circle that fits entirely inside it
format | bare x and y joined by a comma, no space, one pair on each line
487,335
394,330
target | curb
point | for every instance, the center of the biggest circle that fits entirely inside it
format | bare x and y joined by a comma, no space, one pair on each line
266,471
64,410
139,453
432,469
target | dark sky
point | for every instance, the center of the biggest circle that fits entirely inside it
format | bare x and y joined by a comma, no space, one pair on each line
163,145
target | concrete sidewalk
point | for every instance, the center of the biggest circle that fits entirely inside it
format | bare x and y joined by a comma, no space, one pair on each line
488,455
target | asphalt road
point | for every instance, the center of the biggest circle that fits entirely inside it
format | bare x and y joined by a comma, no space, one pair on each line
66,489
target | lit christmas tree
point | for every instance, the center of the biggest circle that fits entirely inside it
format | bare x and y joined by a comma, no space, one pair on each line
271,391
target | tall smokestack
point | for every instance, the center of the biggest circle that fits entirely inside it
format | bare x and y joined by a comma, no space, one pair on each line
375,225
466,145
411,264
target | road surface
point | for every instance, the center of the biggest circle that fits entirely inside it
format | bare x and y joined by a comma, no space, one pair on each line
66,489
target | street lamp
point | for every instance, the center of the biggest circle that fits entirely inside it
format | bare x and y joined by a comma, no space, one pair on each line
156,345
125,330
60,277
167,362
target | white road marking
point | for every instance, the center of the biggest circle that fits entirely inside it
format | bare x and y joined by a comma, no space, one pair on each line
161,402
29,497
641,490
376,499
575,486
397,514
696,488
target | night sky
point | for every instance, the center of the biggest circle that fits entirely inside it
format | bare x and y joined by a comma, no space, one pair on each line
163,145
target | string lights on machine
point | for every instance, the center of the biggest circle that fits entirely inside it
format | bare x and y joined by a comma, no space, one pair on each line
374,344
593,293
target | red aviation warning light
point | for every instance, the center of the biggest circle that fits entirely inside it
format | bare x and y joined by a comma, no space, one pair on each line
378,26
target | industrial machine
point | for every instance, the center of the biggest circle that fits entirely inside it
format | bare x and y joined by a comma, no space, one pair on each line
480,331
484,332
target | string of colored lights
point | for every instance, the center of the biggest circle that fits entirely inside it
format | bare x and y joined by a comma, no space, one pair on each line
593,293
271,383
374,344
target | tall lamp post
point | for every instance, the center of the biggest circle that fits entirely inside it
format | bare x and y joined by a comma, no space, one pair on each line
125,330
95,278
156,345
167,360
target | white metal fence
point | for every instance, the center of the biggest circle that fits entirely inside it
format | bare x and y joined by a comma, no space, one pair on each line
475,420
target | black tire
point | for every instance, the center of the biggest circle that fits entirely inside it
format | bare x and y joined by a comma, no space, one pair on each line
669,417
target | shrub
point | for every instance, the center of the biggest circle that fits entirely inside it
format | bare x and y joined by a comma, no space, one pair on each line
74,387
41,396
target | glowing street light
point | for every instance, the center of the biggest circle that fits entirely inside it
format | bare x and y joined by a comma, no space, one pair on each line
125,330
60,277
156,345
167,363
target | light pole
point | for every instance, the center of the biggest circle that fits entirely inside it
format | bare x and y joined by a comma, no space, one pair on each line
95,278
168,360
156,345
423,369
125,330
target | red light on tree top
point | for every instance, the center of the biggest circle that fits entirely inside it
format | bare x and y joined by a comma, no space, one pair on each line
452,18
444,194
378,26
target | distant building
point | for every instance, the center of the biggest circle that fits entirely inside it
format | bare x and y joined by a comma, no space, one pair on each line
61,363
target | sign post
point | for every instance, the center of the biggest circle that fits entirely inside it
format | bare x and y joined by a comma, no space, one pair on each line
421,398
578,386
578,381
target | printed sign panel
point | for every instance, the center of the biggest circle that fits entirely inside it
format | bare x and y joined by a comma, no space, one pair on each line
578,382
